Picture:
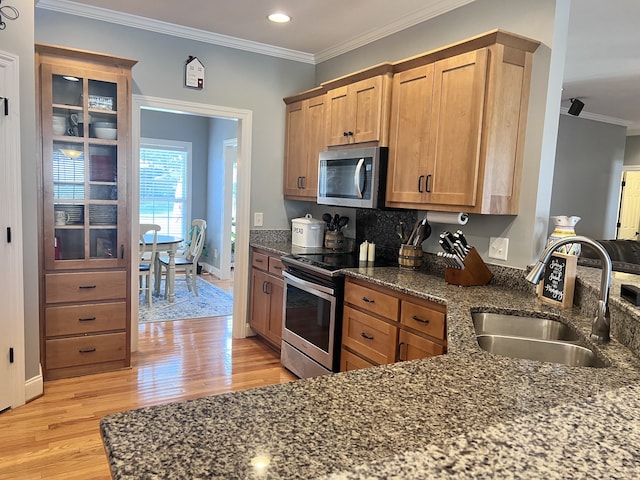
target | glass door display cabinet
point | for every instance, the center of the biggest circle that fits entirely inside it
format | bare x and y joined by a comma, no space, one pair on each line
85,123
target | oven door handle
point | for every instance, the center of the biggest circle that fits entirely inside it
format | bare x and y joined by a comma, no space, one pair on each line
306,285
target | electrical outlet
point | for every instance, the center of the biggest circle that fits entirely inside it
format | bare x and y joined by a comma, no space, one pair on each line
258,219
215,253
498,248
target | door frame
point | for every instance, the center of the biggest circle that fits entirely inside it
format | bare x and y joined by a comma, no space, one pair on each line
625,168
14,306
243,199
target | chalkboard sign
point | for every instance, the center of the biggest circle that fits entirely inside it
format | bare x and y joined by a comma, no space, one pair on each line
558,282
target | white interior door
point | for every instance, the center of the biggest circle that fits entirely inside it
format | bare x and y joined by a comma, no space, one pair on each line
12,381
630,206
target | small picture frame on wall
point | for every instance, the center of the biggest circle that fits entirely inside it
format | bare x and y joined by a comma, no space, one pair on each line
559,279
194,73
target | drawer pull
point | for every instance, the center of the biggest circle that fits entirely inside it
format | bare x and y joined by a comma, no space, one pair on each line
258,260
368,300
418,319
87,286
277,267
87,350
364,335
87,319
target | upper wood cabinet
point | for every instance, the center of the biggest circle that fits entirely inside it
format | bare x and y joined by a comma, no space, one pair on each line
457,132
359,112
305,139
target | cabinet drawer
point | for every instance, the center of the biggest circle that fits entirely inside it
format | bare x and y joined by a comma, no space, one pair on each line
275,266
423,319
350,361
79,319
372,301
413,347
69,352
85,286
374,339
260,260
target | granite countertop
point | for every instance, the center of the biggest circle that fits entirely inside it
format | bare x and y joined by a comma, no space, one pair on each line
466,414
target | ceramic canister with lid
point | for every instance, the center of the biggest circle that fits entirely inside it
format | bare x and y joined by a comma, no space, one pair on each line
307,231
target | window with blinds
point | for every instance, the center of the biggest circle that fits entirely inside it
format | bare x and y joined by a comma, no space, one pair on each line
165,169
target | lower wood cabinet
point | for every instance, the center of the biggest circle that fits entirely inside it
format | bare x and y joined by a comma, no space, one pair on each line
85,323
267,288
381,326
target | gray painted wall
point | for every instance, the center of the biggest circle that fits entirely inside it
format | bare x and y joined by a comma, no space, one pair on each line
586,178
632,151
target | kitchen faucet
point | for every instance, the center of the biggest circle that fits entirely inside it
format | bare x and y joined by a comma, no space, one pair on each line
601,323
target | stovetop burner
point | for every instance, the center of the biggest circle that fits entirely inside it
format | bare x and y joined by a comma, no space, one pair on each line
327,263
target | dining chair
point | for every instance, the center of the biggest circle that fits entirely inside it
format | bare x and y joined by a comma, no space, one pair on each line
146,258
187,261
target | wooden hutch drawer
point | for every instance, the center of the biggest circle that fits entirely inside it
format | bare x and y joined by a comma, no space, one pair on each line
260,260
366,335
69,352
413,347
79,319
85,286
371,300
275,266
423,319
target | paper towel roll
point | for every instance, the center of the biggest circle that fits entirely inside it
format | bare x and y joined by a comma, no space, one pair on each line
451,218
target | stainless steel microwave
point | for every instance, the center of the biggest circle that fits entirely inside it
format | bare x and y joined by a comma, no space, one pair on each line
354,177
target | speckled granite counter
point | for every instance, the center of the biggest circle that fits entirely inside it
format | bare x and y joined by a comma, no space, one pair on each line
466,414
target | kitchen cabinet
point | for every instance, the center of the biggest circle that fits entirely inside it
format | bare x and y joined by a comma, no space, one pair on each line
267,289
381,326
457,129
84,119
359,112
305,139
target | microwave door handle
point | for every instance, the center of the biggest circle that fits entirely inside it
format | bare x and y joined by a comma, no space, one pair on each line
356,178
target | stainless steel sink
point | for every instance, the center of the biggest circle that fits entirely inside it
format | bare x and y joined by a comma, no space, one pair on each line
522,326
540,350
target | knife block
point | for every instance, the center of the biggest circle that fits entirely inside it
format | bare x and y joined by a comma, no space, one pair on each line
475,272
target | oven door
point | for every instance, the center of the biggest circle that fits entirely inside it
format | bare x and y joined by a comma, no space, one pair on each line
310,318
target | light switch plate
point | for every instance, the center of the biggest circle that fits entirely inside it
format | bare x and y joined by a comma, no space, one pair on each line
498,248
258,219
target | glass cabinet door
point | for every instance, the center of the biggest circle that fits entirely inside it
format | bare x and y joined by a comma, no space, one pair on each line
85,199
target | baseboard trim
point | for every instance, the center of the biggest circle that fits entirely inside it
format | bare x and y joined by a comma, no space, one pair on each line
34,387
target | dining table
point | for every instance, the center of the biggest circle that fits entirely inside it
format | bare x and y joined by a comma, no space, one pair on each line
170,245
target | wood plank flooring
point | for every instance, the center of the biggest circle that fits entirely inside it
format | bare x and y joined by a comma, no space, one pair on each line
57,436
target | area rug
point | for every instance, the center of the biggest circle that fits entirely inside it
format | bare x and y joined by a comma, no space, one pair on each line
211,302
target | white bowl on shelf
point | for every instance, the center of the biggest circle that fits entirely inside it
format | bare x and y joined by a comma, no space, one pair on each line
105,132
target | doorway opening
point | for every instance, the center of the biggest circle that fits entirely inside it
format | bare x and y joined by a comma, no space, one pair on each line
628,226
242,136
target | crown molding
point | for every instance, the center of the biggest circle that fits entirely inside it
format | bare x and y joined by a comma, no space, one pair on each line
435,8
157,26
597,117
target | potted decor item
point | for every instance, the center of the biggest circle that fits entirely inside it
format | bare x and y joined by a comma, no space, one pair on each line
565,227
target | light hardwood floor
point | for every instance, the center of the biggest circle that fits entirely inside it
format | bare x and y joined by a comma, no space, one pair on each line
57,436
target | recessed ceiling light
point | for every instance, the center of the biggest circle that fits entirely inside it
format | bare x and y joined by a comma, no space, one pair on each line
279,17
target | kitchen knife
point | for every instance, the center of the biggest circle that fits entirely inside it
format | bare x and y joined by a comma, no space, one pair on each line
447,245
462,238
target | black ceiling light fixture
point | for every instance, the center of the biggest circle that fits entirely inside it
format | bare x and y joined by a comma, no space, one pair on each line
576,107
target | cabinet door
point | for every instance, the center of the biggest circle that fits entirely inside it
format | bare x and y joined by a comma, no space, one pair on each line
84,146
411,102
413,347
305,139
275,290
295,149
456,128
260,306
366,109
338,122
